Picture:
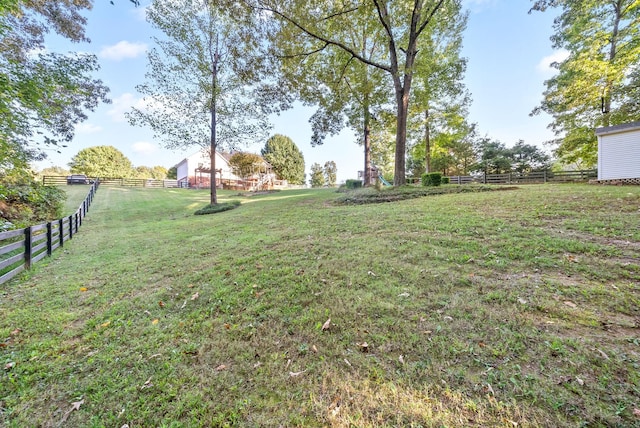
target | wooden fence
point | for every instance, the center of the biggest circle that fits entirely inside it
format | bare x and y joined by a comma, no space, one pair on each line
530,177
19,249
52,180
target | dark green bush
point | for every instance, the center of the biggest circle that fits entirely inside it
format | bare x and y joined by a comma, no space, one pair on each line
353,184
445,180
218,208
432,179
24,201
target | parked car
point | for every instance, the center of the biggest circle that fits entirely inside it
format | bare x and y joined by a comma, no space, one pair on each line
78,179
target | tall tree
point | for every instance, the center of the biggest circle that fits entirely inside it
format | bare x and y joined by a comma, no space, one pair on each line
44,95
202,76
246,165
285,158
591,87
330,172
317,175
440,99
346,92
400,25
101,161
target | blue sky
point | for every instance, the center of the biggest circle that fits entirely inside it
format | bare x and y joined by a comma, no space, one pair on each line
508,53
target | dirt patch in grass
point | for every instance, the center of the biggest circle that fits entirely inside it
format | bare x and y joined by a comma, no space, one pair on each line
371,195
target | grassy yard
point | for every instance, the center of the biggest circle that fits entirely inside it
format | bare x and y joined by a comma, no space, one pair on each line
517,308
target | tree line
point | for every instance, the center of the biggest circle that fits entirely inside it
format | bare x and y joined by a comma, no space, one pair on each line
389,69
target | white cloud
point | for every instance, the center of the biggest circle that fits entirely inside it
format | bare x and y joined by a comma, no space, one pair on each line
122,50
544,66
144,147
88,128
123,104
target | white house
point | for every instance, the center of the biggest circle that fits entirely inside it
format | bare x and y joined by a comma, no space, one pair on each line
195,170
619,152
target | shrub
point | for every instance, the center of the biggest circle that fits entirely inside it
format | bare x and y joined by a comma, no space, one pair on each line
24,201
218,208
445,180
432,179
353,184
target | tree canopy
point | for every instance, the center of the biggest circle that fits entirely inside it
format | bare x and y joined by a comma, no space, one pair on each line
43,95
317,175
285,158
398,26
101,161
203,75
595,85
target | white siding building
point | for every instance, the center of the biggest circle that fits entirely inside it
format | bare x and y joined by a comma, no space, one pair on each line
619,152
194,170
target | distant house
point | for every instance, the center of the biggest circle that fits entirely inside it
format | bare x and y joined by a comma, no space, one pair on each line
619,152
195,170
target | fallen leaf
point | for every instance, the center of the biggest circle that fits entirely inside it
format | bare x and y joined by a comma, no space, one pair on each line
256,365
161,304
570,304
403,295
195,296
580,381
147,384
347,362
227,326
522,301
636,413
183,305
401,359
74,406
314,349
364,346
447,318
9,365
15,332
371,273
83,289
221,367
105,324
296,374
605,356
326,325
155,321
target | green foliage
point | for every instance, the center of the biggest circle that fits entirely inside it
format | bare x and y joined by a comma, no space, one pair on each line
444,180
285,158
594,85
172,173
317,176
43,94
156,173
330,171
432,179
247,164
218,208
353,184
102,161
24,201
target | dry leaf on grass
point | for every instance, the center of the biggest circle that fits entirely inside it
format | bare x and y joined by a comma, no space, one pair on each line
571,304
195,296
326,325
636,413
147,384
221,367
296,374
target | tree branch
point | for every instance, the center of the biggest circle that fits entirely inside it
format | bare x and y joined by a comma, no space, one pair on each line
322,38
305,54
428,19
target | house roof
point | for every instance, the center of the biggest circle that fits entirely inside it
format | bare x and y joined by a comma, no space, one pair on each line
625,127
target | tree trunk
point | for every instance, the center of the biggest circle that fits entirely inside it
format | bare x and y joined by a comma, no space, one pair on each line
427,143
367,145
402,100
213,142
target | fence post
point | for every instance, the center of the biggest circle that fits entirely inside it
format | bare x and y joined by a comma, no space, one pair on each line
27,247
61,232
545,175
70,226
49,239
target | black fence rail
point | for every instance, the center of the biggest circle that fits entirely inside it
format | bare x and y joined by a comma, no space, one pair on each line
53,180
21,248
530,177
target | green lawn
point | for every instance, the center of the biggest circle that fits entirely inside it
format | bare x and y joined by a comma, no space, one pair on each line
517,308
